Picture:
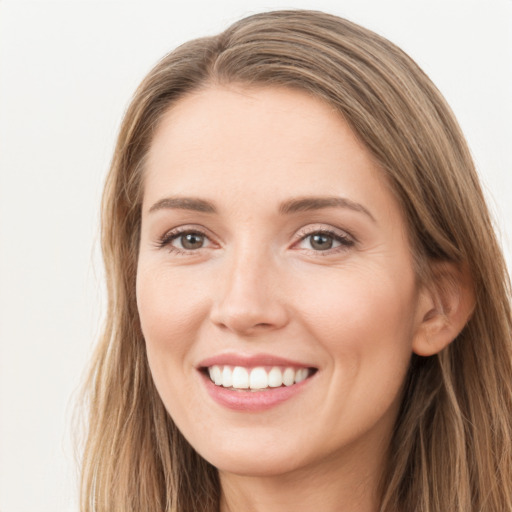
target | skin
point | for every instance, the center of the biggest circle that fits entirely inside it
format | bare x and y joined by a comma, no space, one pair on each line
257,285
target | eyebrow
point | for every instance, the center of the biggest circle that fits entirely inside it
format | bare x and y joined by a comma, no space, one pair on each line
301,204
184,203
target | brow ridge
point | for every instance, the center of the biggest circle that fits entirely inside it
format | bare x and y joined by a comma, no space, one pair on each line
184,203
303,204
295,205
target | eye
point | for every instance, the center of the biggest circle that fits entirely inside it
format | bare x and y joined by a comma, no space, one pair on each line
190,241
183,241
324,241
321,241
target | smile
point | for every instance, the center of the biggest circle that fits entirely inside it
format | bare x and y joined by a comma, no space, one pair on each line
256,378
254,383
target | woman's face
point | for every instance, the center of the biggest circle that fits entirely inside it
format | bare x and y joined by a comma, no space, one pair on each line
273,255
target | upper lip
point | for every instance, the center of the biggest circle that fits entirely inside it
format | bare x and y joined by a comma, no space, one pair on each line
250,361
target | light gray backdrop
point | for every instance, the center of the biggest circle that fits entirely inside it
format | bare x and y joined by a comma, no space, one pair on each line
67,70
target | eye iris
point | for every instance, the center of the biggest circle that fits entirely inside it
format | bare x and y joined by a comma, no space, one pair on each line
321,242
192,240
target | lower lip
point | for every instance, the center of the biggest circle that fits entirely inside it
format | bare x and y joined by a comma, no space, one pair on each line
252,401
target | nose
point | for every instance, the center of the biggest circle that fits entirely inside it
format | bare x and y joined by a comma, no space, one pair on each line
250,299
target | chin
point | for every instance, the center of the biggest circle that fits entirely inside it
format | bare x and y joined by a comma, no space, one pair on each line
255,466
270,458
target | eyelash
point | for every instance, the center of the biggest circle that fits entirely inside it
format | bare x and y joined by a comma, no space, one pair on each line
345,240
166,240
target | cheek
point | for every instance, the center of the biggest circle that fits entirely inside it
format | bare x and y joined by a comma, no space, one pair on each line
364,321
171,312
167,304
355,300
364,327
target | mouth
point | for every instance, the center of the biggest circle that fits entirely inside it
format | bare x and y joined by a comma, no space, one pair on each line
258,378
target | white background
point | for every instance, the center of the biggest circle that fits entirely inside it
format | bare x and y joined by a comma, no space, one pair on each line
67,70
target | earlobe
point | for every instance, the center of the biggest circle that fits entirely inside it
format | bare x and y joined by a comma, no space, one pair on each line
445,306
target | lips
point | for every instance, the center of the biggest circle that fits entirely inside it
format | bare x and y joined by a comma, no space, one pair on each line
233,373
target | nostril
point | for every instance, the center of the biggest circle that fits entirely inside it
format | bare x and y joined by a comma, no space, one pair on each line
248,322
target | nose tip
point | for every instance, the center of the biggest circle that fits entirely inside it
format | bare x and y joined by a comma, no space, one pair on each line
246,321
249,304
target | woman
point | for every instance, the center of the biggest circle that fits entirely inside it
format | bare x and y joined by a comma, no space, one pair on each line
307,303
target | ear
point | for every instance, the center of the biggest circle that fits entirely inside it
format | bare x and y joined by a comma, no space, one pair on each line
444,307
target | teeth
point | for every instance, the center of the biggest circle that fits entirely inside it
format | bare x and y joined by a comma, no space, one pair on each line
275,378
239,377
301,375
288,377
258,379
227,377
216,375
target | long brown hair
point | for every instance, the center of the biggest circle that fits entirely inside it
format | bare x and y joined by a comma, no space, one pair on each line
452,445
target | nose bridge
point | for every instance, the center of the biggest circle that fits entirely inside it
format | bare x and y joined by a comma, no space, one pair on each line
249,298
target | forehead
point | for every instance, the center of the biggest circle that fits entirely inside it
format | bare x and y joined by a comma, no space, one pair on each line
275,141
